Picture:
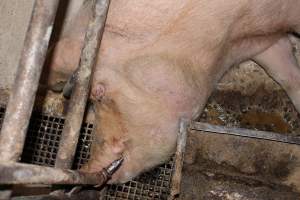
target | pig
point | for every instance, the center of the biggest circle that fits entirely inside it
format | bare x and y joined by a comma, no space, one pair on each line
160,60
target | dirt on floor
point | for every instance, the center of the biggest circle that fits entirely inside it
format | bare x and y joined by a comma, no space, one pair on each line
220,167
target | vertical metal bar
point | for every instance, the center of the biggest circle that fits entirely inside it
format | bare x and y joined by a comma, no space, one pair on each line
23,93
81,88
179,158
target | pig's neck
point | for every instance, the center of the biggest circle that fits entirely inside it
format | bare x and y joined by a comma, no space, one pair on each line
183,76
179,57
175,81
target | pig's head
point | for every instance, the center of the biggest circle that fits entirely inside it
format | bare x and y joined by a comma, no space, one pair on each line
137,112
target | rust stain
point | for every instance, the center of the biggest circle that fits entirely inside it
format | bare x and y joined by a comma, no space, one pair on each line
213,117
257,119
112,111
112,121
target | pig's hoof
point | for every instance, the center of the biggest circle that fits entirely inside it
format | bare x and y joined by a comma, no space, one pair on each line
58,87
68,88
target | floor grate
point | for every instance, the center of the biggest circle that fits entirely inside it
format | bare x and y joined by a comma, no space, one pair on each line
41,147
151,185
2,111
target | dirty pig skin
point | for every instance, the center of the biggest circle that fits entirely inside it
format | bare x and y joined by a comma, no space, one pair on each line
160,60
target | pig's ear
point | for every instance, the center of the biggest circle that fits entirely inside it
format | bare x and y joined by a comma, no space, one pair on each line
98,92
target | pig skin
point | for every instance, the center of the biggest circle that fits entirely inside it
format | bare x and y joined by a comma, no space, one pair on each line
160,60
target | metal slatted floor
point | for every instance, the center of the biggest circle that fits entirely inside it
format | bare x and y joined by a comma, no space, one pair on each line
41,147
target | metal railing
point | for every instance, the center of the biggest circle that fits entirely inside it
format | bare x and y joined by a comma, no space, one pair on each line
22,97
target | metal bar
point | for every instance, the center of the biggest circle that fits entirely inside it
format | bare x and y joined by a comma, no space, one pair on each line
23,94
88,194
264,135
19,173
5,192
80,94
179,158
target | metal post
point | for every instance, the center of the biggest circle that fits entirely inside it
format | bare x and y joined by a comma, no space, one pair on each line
179,158
81,88
23,94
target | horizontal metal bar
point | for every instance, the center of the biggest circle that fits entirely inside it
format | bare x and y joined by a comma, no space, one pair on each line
5,192
23,93
61,195
81,88
19,173
264,135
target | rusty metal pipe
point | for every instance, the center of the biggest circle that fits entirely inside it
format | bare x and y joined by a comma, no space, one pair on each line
89,194
23,93
19,173
179,158
263,135
81,88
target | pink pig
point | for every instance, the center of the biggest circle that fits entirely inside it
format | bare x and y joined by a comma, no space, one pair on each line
160,60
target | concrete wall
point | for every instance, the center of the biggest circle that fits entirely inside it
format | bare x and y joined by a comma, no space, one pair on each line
14,19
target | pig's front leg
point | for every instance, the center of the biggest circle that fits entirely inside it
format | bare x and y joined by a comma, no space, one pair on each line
281,64
64,60
64,57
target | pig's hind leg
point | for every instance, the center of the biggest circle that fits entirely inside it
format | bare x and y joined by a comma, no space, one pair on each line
281,64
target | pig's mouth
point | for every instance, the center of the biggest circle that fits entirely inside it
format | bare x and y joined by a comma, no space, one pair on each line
121,175
130,168
103,154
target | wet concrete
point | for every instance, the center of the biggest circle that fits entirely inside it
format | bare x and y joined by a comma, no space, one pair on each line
215,183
